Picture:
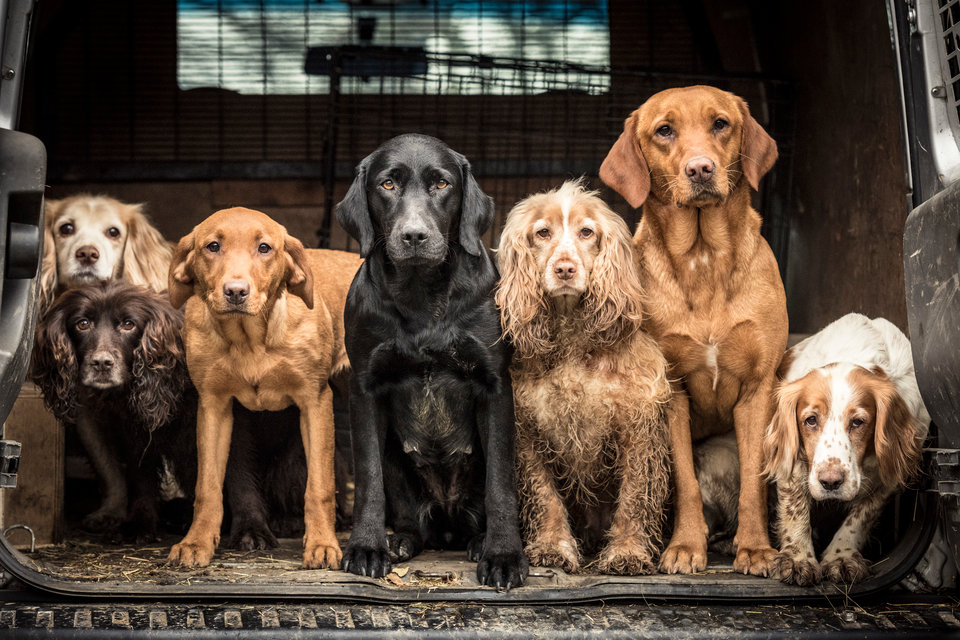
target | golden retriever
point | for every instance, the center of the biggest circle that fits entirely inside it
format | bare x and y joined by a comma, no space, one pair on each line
264,327
713,293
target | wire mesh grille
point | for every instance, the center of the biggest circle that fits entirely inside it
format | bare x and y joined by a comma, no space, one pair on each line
525,123
949,20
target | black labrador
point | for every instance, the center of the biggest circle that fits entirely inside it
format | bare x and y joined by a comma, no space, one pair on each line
431,403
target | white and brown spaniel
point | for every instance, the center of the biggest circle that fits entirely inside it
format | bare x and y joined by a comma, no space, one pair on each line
91,239
849,427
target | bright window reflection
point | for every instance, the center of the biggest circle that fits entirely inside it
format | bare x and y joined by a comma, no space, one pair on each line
260,47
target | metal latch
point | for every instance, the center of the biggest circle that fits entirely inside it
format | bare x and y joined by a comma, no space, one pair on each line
9,463
944,468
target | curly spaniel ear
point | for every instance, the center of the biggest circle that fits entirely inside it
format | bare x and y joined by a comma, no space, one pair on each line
896,442
781,443
614,292
48,266
519,293
159,372
55,368
146,255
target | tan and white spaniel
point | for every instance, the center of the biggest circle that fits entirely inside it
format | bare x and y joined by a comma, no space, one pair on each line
849,426
96,238
590,386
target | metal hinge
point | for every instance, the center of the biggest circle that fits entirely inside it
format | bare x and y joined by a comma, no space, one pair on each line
944,467
9,463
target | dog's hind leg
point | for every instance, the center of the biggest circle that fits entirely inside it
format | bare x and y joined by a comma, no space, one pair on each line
243,487
113,504
408,513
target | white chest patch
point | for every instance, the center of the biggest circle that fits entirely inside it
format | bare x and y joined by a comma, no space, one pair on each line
711,361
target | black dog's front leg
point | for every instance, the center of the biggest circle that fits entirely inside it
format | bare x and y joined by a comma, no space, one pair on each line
366,553
502,563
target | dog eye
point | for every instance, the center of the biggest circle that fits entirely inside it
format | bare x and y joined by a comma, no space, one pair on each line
264,248
387,184
113,232
856,423
83,324
128,325
442,184
66,229
664,131
213,247
811,422
720,124
544,233
586,233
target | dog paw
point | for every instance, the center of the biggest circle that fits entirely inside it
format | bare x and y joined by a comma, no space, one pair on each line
475,547
684,557
318,554
755,562
370,561
796,569
102,520
563,555
625,560
404,545
138,533
190,554
845,569
250,536
503,570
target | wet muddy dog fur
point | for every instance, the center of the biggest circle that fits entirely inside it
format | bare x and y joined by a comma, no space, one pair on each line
431,403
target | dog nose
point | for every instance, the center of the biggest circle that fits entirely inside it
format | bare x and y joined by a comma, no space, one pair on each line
236,291
414,238
88,254
700,169
831,479
101,362
565,269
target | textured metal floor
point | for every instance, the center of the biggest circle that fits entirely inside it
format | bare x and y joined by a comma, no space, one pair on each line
937,618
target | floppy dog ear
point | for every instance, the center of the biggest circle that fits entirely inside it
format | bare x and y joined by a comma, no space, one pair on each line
896,442
476,211
353,214
146,255
781,443
758,151
614,292
180,281
624,169
48,265
159,370
299,275
54,366
519,294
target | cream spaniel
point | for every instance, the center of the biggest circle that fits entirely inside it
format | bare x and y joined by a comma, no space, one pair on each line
590,385
96,238
849,426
